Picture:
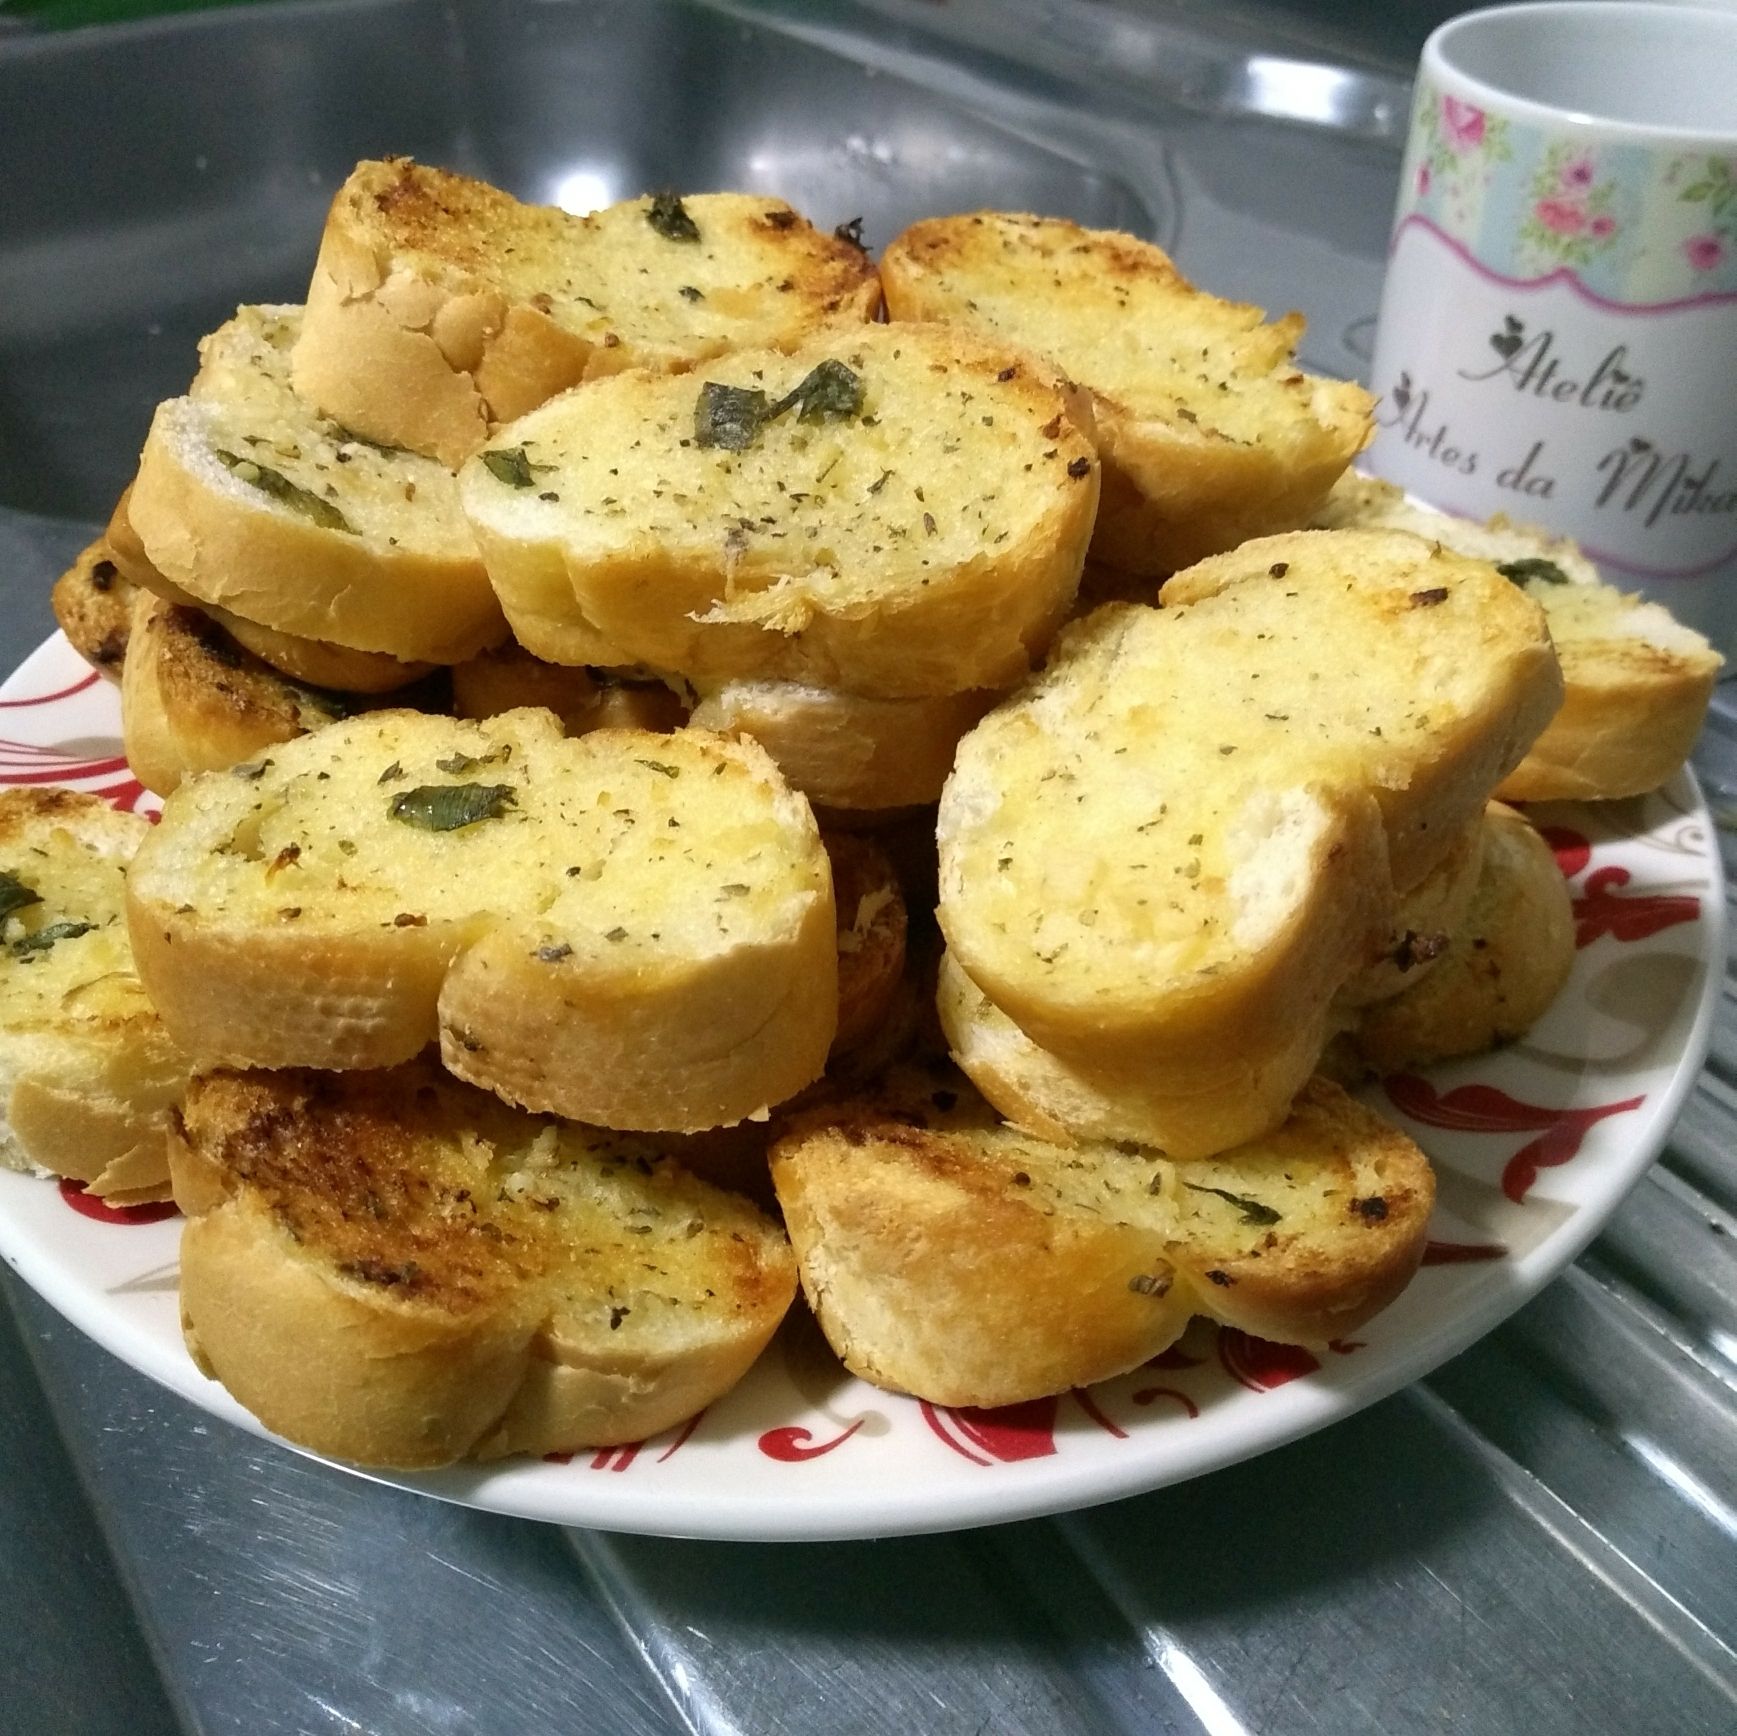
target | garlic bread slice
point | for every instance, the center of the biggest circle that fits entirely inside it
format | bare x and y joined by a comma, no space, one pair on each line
1504,964
952,1257
441,306
1185,836
399,1270
1210,432
898,512
87,1071
250,500
629,929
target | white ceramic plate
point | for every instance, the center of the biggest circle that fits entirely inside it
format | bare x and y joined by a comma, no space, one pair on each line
1534,1148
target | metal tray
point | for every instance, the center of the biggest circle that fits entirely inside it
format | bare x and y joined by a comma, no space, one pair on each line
1540,1536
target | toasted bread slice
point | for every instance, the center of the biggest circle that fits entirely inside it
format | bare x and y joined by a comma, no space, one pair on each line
193,701
312,662
509,677
1506,962
399,1270
251,501
952,1257
1210,432
843,752
896,512
1429,915
93,602
628,929
1636,682
1182,839
440,305
87,1071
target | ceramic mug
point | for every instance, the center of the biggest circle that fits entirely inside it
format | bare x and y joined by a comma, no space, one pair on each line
1558,330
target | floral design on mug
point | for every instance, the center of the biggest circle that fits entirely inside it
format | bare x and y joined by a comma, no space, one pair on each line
1716,188
1569,219
1460,143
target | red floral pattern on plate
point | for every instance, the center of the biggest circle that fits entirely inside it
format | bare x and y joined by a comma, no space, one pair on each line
1601,910
1484,1109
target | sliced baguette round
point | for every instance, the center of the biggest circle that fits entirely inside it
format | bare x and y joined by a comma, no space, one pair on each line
1506,962
1187,1111
313,662
1183,838
1210,433
584,699
249,500
926,543
1636,682
844,752
440,305
633,930
87,1070
398,1270
93,603
957,1259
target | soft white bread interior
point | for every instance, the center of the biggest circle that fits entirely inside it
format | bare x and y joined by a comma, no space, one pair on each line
87,1071
628,929
313,662
951,1257
895,511
1210,432
1505,963
399,1270
440,305
252,501
1636,681
845,752
93,602
584,699
193,701
1180,841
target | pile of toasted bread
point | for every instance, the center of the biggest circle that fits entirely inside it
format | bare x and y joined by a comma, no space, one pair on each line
650,822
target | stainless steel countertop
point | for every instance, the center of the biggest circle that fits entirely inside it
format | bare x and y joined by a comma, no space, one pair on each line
1540,1537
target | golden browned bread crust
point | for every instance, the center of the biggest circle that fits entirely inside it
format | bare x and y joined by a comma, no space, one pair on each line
871,936
93,602
399,1270
1505,963
251,501
509,677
